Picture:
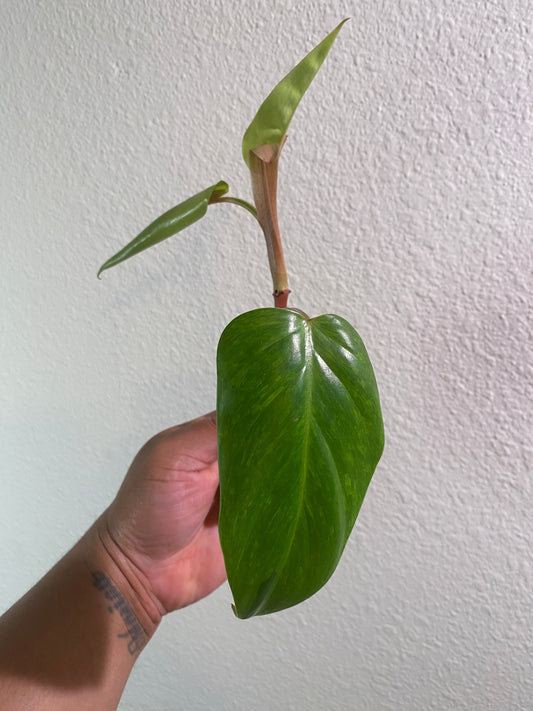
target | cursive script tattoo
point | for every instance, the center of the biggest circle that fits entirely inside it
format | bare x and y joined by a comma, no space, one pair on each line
137,636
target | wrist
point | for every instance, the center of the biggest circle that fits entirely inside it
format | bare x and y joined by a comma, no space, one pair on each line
122,584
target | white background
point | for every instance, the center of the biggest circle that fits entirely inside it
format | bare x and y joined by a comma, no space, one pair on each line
405,205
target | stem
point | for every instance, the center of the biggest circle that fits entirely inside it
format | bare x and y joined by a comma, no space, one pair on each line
264,170
237,201
281,298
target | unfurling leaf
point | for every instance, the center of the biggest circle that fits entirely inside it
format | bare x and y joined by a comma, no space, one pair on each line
271,121
172,222
300,433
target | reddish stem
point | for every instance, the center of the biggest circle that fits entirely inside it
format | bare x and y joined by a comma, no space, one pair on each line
264,173
281,298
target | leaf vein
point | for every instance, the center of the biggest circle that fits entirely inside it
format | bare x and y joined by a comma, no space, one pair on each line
339,489
356,404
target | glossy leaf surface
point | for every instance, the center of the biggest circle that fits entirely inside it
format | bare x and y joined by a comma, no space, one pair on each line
170,223
272,120
300,434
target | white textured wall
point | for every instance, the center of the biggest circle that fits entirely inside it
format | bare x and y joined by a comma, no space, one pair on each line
406,207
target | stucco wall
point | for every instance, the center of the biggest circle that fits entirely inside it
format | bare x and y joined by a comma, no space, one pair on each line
405,204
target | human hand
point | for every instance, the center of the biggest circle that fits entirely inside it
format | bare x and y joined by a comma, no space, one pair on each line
155,549
165,515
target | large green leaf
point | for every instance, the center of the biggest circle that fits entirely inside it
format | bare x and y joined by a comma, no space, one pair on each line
300,434
172,222
272,120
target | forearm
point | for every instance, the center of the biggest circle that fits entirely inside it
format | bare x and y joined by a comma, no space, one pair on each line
72,640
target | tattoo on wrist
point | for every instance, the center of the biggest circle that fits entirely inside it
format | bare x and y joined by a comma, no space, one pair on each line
117,601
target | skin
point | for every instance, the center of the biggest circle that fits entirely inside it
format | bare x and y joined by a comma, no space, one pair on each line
72,640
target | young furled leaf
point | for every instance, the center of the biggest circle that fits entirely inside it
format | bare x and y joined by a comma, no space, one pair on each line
261,147
172,222
272,120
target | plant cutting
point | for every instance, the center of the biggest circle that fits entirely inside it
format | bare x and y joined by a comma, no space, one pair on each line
299,422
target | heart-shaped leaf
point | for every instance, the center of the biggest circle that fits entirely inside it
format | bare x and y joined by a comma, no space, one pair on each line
270,124
172,222
300,434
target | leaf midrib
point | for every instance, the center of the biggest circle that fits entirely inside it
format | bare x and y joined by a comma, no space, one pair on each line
308,378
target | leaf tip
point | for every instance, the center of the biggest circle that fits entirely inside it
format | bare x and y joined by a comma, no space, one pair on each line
104,266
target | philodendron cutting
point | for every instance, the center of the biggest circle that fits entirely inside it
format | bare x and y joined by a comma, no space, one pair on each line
299,422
